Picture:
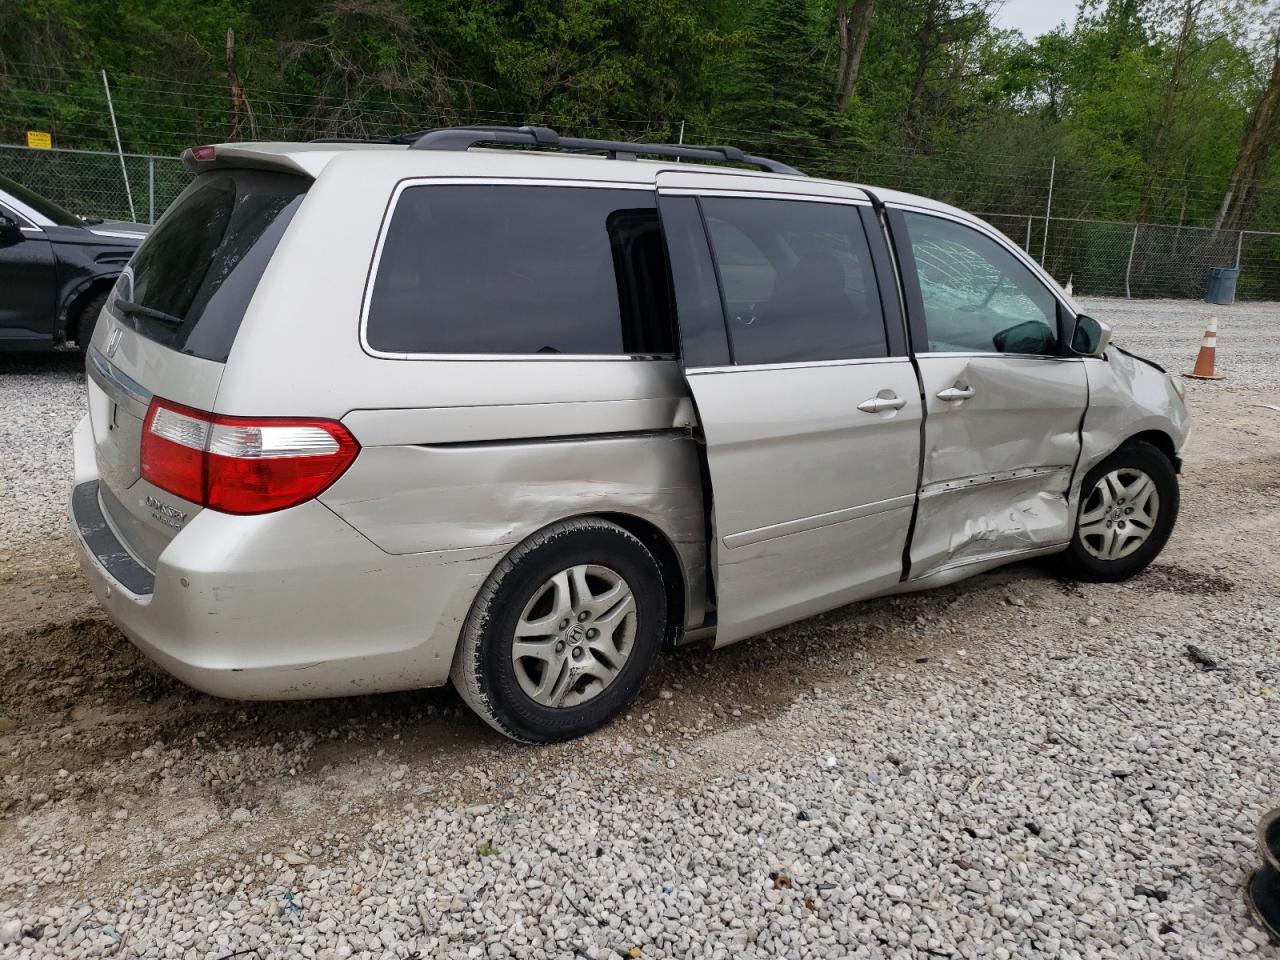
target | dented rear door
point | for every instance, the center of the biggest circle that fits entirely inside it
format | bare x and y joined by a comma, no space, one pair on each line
1003,399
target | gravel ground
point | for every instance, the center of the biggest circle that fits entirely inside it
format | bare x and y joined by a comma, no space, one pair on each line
1169,332
42,396
1015,766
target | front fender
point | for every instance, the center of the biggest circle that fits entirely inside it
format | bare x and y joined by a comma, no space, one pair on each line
1127,396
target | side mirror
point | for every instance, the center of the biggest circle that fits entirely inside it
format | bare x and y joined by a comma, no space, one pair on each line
10,232
1091,337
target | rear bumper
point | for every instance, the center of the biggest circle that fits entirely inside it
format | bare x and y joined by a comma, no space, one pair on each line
289,605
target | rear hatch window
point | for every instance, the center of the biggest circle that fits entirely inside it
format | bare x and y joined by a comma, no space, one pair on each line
190,282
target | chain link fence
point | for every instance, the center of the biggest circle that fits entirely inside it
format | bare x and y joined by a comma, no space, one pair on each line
90,183
1099,257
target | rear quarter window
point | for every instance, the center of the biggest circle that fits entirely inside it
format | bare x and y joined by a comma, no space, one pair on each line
523,270
201,264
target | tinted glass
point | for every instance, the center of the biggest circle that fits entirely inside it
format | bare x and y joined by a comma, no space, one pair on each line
202,262
978,297
522,270
39,204
797,279
699,313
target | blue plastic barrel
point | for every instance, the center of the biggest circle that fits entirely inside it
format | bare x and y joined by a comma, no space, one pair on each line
1222,284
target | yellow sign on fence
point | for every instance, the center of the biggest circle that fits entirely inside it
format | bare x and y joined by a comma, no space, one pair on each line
39,139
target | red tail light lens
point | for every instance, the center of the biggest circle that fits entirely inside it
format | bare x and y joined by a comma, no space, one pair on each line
174,438
242,465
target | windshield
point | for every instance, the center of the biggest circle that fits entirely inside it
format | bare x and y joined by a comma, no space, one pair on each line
190,282
46,208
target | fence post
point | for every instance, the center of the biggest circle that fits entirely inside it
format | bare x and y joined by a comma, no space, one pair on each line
1048,209
151,189
1239,248
1027,246
124,171
1129,268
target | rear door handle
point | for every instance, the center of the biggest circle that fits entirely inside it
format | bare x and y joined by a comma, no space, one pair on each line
955,393
877,404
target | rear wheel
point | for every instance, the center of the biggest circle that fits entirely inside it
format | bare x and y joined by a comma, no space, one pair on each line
563,633
1128,506
87,319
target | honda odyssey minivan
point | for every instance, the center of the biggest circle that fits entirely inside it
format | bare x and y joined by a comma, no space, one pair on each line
370,417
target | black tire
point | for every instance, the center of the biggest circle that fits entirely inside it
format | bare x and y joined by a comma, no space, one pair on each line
87,319
1082,564
483,671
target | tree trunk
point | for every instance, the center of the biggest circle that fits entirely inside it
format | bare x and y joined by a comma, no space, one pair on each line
1253,151
854,28
1190,20
239,106
926,46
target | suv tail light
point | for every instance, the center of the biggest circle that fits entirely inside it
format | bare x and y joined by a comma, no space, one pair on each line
242,464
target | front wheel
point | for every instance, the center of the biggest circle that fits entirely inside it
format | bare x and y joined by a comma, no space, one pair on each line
1128,506
563,632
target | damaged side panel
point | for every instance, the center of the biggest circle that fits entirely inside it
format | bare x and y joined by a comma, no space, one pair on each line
468,495
997,466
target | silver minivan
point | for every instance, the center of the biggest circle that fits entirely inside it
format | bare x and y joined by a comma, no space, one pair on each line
369,417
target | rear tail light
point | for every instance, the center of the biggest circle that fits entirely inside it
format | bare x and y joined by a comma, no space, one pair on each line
242,464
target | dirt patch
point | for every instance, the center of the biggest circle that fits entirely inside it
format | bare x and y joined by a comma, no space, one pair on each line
1172,578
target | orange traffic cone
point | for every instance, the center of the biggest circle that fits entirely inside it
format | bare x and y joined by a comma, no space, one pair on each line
1208,346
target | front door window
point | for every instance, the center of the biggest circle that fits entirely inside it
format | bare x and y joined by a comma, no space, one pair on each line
978,297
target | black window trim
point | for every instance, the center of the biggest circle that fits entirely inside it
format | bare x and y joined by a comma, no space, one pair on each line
905,258
711,193
384,228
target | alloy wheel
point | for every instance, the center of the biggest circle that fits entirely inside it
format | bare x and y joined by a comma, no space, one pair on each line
574,636
1119,514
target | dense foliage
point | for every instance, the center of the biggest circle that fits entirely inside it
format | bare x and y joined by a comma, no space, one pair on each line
1150,109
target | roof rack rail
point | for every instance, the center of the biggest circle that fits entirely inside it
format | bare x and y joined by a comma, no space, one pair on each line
463,138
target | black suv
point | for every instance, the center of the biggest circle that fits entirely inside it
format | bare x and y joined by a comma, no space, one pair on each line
55,269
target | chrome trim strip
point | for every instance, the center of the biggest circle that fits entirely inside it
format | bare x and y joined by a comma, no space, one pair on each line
712,192
408,182
115,383
775,530
1042,357
125,235
794,365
